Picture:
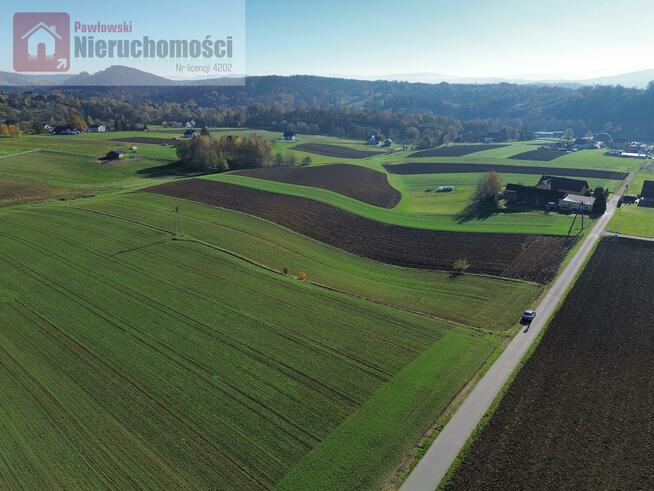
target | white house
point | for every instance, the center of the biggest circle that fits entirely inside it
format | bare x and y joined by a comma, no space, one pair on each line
576,202
39,35
97,128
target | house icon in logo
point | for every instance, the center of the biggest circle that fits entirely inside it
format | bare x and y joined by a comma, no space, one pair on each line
41,42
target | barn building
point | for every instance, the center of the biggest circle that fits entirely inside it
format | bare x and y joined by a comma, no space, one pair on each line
576,202
564,185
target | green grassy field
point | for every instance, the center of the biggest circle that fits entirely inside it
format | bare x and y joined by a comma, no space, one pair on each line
137,361
42,175
485,302
633,220
419,207
530,222
419,191
133,360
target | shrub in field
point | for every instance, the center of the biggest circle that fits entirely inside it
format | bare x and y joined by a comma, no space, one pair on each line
487,190
461,266
7,131
302,276
600,194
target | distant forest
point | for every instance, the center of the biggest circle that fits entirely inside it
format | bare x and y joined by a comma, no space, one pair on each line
422,114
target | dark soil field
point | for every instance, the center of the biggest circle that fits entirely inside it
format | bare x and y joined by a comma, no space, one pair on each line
335,151
354,181
453,151
538,155
580,415
146,139
529,257
452,168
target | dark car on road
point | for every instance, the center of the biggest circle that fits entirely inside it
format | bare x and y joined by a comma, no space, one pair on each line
528,316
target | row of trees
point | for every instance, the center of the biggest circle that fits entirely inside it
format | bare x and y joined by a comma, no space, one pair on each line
419,114
422,129
205,153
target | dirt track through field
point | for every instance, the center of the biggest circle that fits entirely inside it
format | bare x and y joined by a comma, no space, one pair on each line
357,182
463,168
529,257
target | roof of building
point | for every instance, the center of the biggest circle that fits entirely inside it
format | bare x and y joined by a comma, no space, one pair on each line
577,198
545,194
648,190
554,183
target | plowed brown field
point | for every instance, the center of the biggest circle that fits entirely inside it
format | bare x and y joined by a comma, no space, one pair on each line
580,415
530,257
354,181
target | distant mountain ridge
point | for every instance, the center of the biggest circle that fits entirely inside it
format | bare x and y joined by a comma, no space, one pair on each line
637,80
125,76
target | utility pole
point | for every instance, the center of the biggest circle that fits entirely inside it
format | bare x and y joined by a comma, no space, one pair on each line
582,217
179,227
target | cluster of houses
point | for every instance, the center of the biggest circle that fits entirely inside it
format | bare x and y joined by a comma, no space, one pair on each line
378,141
289,136
178,124
94,128
585,143
633,150
552,192
548,135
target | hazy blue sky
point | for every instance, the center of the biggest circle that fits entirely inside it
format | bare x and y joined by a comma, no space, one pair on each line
558,38
509,38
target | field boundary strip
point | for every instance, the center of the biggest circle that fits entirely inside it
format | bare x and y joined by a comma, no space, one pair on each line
20,153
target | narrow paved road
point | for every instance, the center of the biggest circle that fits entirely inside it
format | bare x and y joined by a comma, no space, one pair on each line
430,470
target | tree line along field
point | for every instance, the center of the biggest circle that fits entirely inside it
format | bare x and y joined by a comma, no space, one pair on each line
137,361
579,415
